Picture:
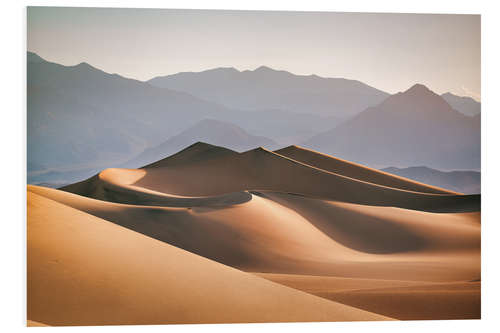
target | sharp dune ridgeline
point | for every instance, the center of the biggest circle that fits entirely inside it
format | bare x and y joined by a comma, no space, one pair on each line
213,235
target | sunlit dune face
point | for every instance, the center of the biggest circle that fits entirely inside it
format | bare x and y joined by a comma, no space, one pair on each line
122,176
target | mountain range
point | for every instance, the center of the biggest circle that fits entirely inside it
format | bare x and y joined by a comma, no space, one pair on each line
81,119
415,127
266,88
463,104
211,131
467,182
79,115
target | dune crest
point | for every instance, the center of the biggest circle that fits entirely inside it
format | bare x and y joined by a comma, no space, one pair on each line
206,170
198,151
357,171
116,185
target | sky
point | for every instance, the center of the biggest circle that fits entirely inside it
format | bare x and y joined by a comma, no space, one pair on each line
390,52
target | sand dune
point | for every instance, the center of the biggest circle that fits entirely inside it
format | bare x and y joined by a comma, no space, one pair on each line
278,234
460,300
230,221
116,185
85,271
357,171
260,169
198,151
259,235
404,300
387,229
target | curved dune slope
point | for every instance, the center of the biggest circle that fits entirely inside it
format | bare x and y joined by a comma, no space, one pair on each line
356,171
260,169
83,270
116,185
387,229
282,233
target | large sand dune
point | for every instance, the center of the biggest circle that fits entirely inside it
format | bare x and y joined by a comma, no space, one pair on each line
357,171
86,271
260,169
324,226
282,233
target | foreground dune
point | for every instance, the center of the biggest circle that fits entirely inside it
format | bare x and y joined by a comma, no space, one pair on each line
404,300
83,270
263,235
334,231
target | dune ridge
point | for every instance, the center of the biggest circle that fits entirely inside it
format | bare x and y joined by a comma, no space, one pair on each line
357,171
115,185
197,151
261,169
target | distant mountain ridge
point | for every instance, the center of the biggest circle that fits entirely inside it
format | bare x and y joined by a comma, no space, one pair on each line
81,119
266,88
463,104
80,114
415,127
467,182
211,131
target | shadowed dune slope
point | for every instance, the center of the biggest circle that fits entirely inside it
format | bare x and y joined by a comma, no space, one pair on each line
281,233
83,270
188,174
386,229
356,171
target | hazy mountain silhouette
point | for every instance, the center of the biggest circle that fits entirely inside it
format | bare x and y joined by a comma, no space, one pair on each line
415,127
34,58
266,88
81,115
467,182
211,131
81,119
284,127
463,104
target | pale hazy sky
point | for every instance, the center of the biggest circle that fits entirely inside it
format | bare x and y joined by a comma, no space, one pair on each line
388,51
